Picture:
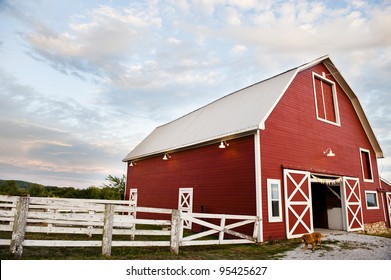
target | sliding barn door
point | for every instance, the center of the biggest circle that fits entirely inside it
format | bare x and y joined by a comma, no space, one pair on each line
298,209
353,205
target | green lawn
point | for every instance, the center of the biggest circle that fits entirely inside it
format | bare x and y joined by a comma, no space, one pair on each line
266,251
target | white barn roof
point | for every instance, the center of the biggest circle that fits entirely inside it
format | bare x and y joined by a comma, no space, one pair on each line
239,112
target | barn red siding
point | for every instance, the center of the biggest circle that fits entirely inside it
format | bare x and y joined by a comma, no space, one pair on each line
295,138
223,180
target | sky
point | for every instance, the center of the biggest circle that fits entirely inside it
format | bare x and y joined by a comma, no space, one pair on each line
82,82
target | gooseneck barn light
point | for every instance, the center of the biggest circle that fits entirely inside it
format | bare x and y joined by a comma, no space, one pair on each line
166,156
223,144
329,153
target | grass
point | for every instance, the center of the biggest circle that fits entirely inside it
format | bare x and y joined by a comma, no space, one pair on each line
266,251
212,252
270,250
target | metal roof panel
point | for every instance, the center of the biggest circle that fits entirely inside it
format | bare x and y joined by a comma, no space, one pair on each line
232,114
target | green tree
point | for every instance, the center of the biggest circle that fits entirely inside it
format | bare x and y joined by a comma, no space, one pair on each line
9,188
110,193
117,183
91,192
37,190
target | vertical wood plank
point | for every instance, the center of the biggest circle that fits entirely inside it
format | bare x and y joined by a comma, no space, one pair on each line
222,225
256,229
108,229
176,229
19,227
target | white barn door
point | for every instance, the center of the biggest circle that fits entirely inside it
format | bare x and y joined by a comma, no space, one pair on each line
185,204
298,206
353,206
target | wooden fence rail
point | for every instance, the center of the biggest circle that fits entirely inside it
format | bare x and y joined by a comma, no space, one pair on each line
21,215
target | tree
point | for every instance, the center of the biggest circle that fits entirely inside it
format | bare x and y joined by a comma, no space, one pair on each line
117,183
9,188
37,190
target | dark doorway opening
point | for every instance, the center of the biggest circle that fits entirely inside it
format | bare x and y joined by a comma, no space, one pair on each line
326,206
319,205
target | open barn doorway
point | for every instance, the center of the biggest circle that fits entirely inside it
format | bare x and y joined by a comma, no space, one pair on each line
327,208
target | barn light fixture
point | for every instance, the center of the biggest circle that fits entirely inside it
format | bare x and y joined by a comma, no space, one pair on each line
223,144
329,153
166,156
132,163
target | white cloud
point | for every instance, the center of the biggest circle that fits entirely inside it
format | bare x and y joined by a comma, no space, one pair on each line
207,6
99,42
174,41
246,5
233,16
238,49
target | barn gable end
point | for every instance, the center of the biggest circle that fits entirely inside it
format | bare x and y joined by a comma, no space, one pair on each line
296,138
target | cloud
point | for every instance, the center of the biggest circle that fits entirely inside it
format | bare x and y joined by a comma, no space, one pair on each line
46,136
233,16
43,152
238,49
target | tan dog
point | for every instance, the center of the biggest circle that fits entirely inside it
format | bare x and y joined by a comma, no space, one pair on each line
313,239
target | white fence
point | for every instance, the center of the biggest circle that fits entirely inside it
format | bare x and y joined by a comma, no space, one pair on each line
111,219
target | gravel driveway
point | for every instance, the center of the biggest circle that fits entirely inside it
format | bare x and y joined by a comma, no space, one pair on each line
341,245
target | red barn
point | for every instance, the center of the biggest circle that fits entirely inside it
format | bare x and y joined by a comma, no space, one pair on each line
295,150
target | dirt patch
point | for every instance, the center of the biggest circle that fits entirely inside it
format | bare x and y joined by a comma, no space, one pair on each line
345,246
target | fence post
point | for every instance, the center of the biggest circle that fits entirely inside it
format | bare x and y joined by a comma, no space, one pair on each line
133,214
108,229
175,230
222,225
19,228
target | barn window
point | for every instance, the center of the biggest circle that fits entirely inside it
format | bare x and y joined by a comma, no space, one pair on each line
371,199
274,200
366,165
326,103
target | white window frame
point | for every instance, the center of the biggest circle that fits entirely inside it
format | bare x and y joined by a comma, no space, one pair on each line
335,99
366,200
370,165
271,182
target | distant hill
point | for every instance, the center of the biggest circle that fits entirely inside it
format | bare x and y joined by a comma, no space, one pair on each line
20,184
21,188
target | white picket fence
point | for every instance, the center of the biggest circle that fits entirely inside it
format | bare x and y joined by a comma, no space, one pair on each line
111,218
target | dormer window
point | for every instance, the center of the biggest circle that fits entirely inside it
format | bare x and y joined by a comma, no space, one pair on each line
326,102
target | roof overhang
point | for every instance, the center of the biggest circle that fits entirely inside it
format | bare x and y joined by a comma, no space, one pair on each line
188,146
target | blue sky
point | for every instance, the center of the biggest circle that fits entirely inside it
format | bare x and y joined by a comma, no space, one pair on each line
83,82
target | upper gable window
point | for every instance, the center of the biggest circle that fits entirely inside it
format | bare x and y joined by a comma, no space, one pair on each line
326,100
366,165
